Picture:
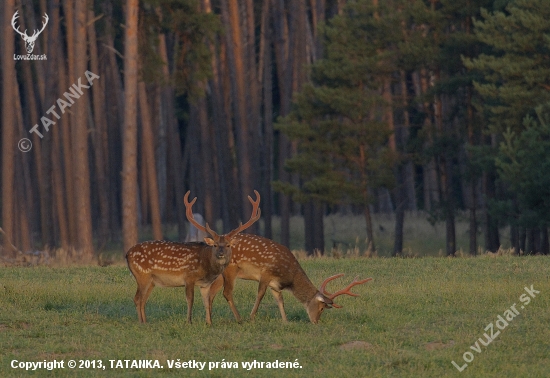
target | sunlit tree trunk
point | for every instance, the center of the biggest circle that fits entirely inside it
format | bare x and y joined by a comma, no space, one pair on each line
129,143
149,155
8,122
266,67
284,65
236,59
177,167
80,139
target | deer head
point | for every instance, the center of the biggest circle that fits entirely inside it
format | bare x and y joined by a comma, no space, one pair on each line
29,40
323,299
222,244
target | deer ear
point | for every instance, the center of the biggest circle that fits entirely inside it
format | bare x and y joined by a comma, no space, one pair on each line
210,242
324,300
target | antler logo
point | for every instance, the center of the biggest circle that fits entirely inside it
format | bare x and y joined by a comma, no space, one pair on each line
29,41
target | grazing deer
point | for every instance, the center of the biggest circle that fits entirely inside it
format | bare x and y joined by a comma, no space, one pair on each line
170,264
273,265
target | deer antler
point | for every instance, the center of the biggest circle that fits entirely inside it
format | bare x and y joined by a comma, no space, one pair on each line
36,32
15,17
346,290
191,219
253,218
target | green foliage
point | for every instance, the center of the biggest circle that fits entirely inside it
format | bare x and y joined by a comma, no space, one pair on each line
337,120
516,72
523,162
189,31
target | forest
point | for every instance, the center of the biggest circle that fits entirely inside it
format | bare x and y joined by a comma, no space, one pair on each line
112,110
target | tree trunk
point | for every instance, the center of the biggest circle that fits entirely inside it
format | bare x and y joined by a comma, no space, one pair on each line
80,141
309,230
267,149
318,9
100,123
206,162
492,242
129,157
530,243
149,154
522,240
33,102
24,198
253,96
319,226
235,55
545,245
370,234
514,238
114,106
400,204
284,64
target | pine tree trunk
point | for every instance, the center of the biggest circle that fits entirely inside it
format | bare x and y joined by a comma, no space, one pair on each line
253,96
514,239
267,150
309,230
235,55
284,64
149,155
522,239
371,247
100,123
492,242
319,227
545,245
24,198
206,161
32,106
318,16
408,169
129,158
80,140
221,126
400,204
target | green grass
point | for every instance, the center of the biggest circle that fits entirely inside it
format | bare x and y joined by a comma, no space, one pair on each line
417,316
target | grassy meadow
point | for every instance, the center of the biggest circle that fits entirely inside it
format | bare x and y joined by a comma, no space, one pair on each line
416,317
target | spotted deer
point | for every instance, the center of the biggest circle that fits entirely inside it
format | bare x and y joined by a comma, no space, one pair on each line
169,264
273,265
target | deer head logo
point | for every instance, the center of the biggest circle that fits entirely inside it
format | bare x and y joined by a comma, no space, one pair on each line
29,40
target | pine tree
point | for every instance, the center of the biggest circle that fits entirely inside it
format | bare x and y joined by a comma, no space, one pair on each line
516,73
514,78
338,120
521,159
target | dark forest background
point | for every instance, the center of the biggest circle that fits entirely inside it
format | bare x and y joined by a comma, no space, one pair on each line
323,106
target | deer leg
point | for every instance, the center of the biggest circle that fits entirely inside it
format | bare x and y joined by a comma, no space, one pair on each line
229,278
144,299
262,287
215,287
280,303
190,294
137,301
142,294
205,293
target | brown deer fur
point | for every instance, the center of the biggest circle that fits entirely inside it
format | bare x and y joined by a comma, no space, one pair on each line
168,264
172,264
272,265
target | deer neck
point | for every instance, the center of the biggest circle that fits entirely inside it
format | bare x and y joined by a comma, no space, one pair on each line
212,265
302,288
